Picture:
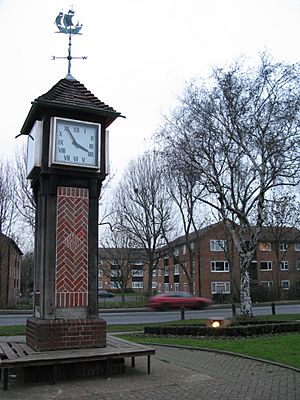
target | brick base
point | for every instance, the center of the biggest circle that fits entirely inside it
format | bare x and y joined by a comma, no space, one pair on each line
60,334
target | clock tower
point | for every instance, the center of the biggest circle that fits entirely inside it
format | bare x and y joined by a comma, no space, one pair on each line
67,163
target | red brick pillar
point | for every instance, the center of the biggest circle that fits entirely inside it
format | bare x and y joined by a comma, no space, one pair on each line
71,327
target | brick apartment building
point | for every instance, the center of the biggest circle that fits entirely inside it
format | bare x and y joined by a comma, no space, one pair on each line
10,272
275,271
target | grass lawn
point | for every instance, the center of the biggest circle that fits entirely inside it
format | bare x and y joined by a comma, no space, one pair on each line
283,349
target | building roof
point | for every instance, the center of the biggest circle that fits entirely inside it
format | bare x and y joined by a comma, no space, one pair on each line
134,253
11,242
69,94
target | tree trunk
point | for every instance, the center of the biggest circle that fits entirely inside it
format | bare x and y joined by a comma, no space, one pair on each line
245,296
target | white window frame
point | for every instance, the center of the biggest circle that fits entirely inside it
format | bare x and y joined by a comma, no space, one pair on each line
283,246
100,285
100,272
297,246
167,271
268,284
283,282
269,266
114,285
216,287
154,284
137,272
176,269
137,284
167,287
184,249
284,265
213,266
217,245
297,265
176,287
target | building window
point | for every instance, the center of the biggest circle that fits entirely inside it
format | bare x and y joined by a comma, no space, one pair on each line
176,287
176,269
167,272
184,249
166,261
137,272
153,285
266,265
297,246
137,262
100,272
219,266
283,246
267,284
176,252
193,247
298,265
284,265
114,273
167,287
285,285
220,287
137,285
217,245
100,285
264,247
154,273
113,285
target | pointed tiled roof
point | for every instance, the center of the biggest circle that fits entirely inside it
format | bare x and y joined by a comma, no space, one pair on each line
74,93
69,94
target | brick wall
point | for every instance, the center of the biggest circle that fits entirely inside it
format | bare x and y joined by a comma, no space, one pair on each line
60,334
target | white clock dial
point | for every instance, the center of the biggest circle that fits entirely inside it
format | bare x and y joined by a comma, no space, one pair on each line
76,143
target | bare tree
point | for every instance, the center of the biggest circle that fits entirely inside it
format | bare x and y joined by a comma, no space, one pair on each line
184,191
239,134
144,209
23,195
117,258
7,210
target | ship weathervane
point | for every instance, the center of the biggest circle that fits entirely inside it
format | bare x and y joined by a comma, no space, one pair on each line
65,25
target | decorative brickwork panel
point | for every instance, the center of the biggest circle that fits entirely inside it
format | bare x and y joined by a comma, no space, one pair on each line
72,247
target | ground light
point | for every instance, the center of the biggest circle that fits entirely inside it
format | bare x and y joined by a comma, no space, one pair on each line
218,322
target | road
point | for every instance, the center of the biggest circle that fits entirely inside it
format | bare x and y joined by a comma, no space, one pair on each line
129,317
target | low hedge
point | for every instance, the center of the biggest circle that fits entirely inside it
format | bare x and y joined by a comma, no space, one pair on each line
240,330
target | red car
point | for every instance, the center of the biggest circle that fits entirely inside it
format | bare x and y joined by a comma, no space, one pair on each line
170,300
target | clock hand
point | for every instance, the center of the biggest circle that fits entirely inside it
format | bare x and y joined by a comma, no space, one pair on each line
81,147
75,142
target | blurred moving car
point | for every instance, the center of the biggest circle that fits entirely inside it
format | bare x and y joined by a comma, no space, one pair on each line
105,293
174,300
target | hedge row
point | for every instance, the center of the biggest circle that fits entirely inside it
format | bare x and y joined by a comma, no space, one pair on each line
248,330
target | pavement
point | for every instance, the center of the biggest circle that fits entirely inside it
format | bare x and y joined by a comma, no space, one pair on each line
176,373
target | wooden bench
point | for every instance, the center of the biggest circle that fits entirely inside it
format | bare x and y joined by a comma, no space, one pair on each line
19,355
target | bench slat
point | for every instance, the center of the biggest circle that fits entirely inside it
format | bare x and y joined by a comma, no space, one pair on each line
10,354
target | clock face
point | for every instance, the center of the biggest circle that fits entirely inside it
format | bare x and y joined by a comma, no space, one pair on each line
75,143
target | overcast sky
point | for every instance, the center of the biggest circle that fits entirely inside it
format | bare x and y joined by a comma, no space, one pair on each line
140,55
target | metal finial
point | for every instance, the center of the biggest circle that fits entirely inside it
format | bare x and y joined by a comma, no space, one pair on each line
65,25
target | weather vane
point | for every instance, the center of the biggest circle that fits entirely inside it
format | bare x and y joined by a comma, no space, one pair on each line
65,25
